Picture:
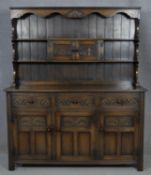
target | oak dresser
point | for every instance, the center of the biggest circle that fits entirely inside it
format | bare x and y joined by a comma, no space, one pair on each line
75,97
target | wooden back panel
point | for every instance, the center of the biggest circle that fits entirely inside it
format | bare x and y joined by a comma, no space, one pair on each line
116,63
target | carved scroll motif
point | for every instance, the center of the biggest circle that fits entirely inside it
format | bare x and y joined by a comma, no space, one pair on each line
76,13
119,101
28,101
119,121
74,101
30,123
75,122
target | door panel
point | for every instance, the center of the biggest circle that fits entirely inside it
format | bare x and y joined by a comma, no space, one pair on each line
118,132
75,136
31,136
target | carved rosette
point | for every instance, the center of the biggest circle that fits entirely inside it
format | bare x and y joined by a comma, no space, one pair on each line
76,13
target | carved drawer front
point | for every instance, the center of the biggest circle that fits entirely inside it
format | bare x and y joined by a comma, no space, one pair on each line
30,101
120,100
71,101
73,49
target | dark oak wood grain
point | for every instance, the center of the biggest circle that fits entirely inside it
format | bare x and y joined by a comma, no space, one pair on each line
75,97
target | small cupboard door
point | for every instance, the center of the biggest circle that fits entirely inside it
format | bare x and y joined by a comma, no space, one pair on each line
75,137
32,139
118,135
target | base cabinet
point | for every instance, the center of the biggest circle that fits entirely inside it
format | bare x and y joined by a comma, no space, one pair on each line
72,129
119,132
32,139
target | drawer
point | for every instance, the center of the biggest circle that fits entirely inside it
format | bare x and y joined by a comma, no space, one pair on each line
30,100
77,101
120,100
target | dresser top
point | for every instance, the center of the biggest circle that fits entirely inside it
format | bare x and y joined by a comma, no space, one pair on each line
76,87
103,7
75,12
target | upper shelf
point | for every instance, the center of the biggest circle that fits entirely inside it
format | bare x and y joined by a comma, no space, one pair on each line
45,39
76,12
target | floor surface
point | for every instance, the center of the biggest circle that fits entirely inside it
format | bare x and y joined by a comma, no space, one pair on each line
74,170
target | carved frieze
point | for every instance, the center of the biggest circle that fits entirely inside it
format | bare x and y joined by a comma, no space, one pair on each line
119,101
32,123
75,122
30,101
74,101
124,121
75,13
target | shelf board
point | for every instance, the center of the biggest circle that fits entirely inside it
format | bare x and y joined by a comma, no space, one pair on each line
71,61
45,39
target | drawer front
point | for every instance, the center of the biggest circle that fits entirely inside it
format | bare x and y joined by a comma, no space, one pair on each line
120,100
30,101
77,101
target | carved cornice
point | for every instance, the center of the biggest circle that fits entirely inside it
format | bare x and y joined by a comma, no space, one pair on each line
74,12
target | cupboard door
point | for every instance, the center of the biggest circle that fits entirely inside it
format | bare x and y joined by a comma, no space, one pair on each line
118,135
87,50
32,139
75,138
60,50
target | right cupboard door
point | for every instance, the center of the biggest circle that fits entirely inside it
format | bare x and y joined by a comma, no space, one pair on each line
118,135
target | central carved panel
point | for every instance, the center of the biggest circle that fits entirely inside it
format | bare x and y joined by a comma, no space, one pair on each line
30,101
74,101
75,122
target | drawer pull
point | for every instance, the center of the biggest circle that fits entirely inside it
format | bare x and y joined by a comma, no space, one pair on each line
120,102
31,101
51,129
75,102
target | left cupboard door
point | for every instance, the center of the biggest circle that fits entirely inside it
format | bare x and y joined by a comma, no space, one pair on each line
32,136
